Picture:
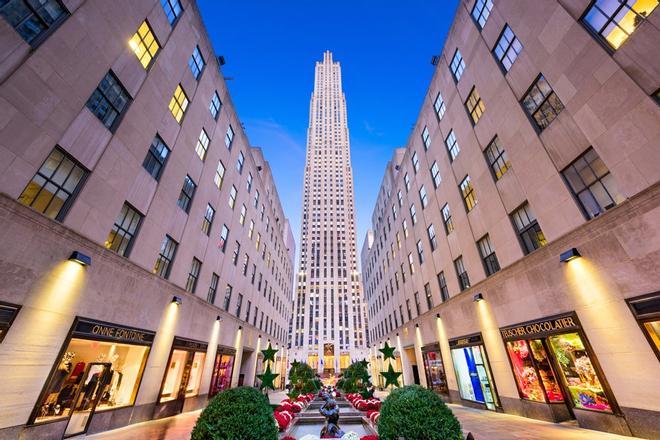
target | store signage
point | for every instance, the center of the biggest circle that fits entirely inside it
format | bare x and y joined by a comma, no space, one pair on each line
465,341
542,327
188,344
111,332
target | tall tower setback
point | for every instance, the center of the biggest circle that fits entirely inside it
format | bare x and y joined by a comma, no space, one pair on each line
329,321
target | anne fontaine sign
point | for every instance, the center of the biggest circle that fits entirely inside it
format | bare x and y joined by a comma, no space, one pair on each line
541,327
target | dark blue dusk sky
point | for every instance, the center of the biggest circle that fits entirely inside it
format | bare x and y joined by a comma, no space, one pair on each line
384,48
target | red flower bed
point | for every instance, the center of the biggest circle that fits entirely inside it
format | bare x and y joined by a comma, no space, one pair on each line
364,437
283,419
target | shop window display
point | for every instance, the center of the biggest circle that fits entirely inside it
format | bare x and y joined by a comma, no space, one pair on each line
534,375
473,375
435,371
222,372
184,371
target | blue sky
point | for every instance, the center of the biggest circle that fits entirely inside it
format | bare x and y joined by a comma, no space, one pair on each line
384,48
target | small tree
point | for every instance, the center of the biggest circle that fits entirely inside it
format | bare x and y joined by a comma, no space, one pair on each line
303,379
355,379
413,412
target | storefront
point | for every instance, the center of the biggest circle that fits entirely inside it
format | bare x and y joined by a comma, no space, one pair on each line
553,363
99,368
7,314
475,380
223,367
434,368
183,375
647,312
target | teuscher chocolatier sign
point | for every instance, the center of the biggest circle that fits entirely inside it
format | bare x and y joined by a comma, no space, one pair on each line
541,327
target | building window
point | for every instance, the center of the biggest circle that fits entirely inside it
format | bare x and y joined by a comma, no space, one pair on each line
207,221
400,198
408,309
507,49
432,238
193,276
481,12
415,162
406,181
413,214
429,296
239,304
165,257
187,193
457,65
488,256
256,198
475,106
219,175
529,231
234,256
442,282
614,21
127,223
229,137
215,106
224,236
202,144
246,264
248,183
109,101
417,306
227,301
435,174
251,229
420,252
241,218
411,264
426,138
232,197
33,20
156,158
196,63
463,279
423,197
178,103
468,193
452,145
213,289
497,158
446,218
172,9
54,187
240,162
542,103
144,44
592,184
439,106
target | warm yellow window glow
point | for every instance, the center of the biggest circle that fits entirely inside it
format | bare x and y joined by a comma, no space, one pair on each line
179,103
144,44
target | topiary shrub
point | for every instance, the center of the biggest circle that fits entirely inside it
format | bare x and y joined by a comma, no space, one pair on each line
237,414
413,412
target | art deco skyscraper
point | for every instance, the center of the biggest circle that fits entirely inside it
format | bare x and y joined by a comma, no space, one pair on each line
329,321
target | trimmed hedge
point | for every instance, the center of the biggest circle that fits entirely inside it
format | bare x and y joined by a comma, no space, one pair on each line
237,414
413,412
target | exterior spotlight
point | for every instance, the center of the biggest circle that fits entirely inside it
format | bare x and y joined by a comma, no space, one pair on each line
397,335
417,325
81,258
569,255
218,318
478,297
240,327
177,300
437,315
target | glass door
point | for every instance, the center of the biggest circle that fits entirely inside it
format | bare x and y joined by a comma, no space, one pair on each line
484,377
84,404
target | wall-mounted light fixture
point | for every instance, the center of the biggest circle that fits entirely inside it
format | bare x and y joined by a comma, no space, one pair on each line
177,300
80,258
397,335
240,327
417,325
569,255
437,315
478,297
218,318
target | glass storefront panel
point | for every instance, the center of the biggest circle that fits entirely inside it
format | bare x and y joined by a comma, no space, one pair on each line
435,371
546,372
473,375
195,374
646,309
524,371
222,372
174,375
183,375
653,330
578,372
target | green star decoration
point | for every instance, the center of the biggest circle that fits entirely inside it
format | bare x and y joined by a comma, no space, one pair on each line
388,352
391,377
269,353
364,363
268,378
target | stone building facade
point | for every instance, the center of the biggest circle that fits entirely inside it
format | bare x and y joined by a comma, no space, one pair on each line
513,260
145,255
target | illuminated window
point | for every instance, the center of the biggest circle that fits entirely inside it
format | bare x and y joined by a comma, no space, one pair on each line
234,256
165,257
481,12
475,106
615,21
219,175
232,197
452,145
229,137
404,226
187,193
33,20
468,193
463,278
120,238
196,63
491,264
202,144
193,275
241,218
497,158
156,158
457,65
215,105
144,44
439,106
446,217
435,174
542,103
508,48
53,188
179,103
207,221
420,251
109,101
411,264
529,231
224,235
426,138
592,184
429,296
172,9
